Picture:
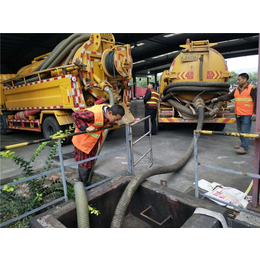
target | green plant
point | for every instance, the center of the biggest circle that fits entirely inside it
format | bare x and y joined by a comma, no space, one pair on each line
93,210
37,193
8,188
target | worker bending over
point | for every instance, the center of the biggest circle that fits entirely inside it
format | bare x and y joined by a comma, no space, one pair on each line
86,145
245,108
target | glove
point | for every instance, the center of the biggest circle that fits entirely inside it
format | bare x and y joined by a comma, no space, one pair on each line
214,99
253,118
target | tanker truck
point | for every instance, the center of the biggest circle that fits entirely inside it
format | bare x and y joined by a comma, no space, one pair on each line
82,70
198,74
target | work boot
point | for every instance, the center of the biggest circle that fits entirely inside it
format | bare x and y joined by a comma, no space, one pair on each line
241,150
84,175
237,146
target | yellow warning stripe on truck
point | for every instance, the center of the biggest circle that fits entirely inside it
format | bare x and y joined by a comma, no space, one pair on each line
181,120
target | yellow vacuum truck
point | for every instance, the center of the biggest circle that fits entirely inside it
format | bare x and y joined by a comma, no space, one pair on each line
195,76
80,71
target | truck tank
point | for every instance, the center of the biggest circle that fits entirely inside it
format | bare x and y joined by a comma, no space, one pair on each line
82,70
197,74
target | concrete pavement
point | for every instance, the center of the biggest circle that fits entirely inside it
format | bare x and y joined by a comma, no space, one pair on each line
168,146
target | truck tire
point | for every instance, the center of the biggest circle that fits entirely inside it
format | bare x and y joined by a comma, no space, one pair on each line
214,126
220,126
3,129
51,126
161,126
67,140
3,125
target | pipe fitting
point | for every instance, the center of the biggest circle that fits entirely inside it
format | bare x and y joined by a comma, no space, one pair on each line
215,109
198,102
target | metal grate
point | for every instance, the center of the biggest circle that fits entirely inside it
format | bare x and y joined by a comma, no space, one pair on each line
66,156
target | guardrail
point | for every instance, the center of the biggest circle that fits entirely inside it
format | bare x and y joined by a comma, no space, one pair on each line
130,166
252,175
131,145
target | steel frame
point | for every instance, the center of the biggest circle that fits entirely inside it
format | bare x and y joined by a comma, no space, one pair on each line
255,177
130,166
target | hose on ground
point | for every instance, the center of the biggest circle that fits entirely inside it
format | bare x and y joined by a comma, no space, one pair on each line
81,205
138,179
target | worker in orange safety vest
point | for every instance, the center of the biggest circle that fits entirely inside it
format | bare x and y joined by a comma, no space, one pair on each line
86,145
245,108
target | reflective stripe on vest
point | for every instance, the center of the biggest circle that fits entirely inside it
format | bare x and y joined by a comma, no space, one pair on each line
154,98
86,142
244,105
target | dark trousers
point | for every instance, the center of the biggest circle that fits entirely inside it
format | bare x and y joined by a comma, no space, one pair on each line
244,126
150,111
84,175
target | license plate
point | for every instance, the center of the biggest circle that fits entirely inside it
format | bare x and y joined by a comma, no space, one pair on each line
189,56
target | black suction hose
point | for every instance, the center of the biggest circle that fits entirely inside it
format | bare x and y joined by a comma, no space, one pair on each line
187,111
142,176
50,58
60,49
72,53
68,48
212,88
58,54
202,85
109,63
188,89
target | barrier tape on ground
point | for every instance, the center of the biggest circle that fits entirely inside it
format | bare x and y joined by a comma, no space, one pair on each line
181,120
9,147
206,132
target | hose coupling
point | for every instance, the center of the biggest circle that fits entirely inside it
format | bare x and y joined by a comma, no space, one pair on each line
213,111
198,102
81,65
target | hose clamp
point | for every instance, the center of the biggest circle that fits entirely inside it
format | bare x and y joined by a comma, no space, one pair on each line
198,102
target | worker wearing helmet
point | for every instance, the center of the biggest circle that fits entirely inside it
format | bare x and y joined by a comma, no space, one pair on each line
86,145
151,100
245,108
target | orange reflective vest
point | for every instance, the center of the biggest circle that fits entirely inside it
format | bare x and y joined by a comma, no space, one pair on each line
244,105
153,102
86,142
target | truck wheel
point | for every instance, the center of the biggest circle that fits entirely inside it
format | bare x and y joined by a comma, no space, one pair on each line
161,126
67,140
220,127
50,127
3,127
